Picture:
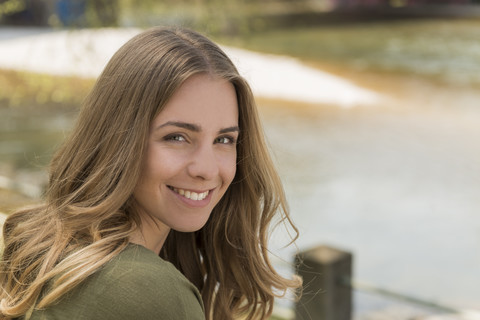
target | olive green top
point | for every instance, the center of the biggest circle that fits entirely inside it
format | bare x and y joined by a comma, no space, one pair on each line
137,284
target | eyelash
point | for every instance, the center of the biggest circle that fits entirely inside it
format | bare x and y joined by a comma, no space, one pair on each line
180,138
175,138
230,138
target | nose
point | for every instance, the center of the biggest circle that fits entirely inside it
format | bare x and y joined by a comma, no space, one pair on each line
204,164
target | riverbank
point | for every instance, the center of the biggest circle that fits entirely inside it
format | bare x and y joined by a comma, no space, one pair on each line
367,14
84,53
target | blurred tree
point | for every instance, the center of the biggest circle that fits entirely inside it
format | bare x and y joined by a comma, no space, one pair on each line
211,16
103,13
23,12
8,7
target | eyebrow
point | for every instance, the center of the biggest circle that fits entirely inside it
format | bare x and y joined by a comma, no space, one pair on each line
230,129
194,127
184,125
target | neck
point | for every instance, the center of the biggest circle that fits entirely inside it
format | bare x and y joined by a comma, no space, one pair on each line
151,234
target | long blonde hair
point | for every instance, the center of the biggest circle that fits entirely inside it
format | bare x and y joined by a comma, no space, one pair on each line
89,211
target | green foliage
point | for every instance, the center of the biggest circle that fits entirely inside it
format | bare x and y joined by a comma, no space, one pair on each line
11,6
227,17
230,17
26,89
102,13
207,16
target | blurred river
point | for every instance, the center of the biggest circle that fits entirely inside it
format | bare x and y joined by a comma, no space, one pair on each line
397,184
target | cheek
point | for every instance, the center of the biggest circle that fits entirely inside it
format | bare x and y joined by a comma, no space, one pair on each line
230,168
161,163
150,167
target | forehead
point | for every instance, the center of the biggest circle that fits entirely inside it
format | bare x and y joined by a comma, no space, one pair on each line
204,100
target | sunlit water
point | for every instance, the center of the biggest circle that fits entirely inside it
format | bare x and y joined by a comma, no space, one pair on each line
398,188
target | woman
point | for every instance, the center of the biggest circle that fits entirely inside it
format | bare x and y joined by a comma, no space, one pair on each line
159,203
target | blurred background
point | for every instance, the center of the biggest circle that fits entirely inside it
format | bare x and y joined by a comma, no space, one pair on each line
394,179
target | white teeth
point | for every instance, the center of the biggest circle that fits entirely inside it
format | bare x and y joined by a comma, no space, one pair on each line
191,195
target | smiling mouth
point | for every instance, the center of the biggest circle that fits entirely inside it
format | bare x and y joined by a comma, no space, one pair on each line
190,194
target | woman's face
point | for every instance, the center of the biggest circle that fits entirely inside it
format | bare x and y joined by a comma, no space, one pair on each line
191,155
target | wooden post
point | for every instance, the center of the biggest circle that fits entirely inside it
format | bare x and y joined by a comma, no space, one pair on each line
325,295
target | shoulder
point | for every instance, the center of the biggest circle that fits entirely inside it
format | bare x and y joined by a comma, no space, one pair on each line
137,268
140,278
137,264
137,284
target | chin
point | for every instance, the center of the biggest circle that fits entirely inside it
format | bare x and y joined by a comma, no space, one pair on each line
191,227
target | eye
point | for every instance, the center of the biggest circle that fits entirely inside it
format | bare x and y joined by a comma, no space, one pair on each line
225,140
175,138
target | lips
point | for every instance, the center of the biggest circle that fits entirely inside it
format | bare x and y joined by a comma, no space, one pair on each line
192,195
